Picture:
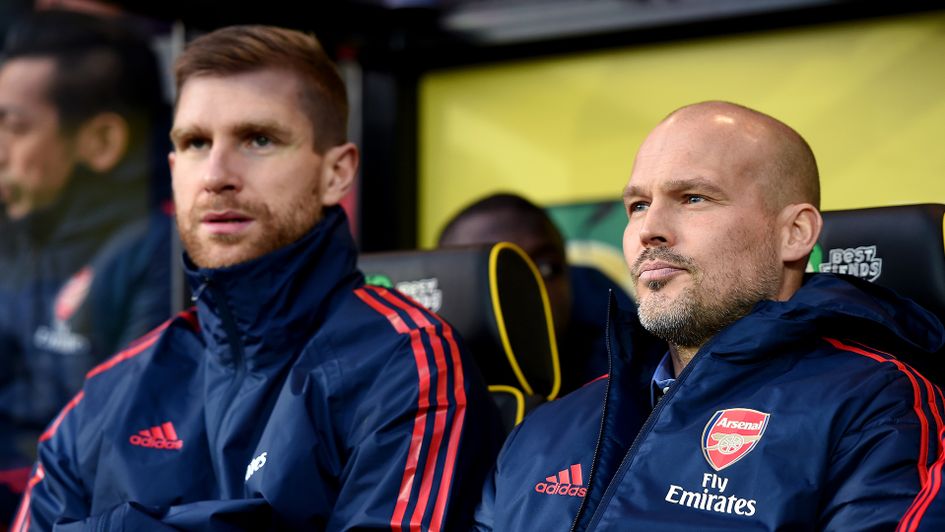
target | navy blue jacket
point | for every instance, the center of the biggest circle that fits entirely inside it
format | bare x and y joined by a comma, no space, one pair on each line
789,418
293,397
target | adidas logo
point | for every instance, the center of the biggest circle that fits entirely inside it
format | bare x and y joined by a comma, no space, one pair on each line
568,482
158,437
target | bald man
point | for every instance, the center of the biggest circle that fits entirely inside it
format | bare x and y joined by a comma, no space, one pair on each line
743,393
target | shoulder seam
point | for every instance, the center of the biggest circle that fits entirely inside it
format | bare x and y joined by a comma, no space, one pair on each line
141,344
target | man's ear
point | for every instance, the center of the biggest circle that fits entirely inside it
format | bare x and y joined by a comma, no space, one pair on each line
801,225
102,141
340,167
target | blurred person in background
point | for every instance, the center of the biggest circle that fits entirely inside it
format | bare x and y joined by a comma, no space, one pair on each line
578,294
84,253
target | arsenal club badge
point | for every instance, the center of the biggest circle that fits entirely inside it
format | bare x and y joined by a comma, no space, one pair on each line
72,294
731,434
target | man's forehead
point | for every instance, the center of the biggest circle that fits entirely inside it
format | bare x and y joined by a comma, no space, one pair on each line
27,76
264,93
502,224
267,79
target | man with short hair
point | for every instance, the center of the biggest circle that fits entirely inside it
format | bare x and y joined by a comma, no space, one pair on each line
84,252
775,402
292,396
578,295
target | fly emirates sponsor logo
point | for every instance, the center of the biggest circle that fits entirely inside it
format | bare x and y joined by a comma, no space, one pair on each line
712,497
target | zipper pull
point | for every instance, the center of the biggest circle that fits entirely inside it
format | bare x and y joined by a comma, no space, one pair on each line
200,289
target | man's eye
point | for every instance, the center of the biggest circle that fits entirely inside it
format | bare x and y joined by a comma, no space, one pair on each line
694,198
637,206
194,143
15,127
549,269
261,141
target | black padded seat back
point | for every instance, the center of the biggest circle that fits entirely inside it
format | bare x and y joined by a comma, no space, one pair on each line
899,247
493,295
513,404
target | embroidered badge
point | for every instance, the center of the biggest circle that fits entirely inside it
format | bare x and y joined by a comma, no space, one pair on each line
731,434
72,294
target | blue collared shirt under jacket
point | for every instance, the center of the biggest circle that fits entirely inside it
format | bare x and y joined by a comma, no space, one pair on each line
795,417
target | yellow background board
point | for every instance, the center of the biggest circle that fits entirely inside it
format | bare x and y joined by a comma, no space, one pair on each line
868,95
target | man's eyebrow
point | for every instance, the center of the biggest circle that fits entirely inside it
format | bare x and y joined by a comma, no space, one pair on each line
178,134
632,191
698,184
256,127
240,129
10,111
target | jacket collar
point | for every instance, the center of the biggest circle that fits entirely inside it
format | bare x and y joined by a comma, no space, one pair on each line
826,304
257,311
830,305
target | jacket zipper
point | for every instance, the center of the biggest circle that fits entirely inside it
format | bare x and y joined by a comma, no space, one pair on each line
637,441
233,338
603,417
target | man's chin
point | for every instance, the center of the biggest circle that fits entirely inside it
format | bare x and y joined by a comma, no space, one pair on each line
665,289
224,251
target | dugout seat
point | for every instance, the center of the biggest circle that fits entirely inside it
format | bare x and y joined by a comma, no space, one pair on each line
901,247
493,295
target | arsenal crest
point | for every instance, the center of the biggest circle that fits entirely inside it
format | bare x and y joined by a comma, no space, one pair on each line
72,294
731,434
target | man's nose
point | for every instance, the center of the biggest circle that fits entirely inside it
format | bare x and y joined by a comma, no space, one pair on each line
657,228
221,170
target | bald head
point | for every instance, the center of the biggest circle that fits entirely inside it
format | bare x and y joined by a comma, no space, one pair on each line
770,153
721,214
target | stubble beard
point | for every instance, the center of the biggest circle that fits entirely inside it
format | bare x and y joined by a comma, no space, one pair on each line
274,230
708,304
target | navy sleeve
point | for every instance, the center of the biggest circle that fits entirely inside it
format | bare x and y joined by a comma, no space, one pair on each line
54,489
425,434
887,469
484,519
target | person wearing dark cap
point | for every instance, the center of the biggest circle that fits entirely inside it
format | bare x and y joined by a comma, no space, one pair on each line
84,252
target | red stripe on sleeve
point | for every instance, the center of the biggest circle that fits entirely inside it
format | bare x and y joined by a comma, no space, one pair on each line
55,425
420,420
930,477
916,403
913,516
139,345
21,522
440,411
135,349
459,392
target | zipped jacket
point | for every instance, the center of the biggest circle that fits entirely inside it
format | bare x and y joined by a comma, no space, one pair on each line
798,416
291,397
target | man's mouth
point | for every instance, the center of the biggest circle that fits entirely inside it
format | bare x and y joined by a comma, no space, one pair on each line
658,271
226,222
